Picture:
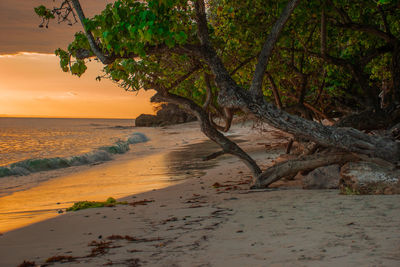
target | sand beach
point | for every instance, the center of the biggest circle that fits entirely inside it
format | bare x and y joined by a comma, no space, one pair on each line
211,218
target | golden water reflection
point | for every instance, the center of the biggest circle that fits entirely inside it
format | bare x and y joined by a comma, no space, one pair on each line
113,179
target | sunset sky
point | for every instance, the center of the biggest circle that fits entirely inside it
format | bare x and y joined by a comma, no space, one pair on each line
31,81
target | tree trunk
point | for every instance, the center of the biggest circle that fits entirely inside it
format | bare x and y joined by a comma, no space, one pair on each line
323,29
396,73
210,131
348,139
275,91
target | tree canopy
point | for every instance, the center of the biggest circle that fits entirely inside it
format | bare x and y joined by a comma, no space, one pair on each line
317,59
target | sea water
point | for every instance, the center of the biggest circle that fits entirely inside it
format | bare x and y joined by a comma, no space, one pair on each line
34,144
154,158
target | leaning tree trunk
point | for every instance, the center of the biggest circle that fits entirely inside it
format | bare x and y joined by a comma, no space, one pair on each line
232,95
228,146
348,139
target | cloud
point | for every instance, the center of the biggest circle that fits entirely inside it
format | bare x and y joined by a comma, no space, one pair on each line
33,84
32,55
59,96
72,94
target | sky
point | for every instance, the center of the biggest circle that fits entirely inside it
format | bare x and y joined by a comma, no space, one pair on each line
32,82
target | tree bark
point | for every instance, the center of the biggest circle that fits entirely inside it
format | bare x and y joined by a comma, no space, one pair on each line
256,84
275,91
92,42
323,29
304,163
396,73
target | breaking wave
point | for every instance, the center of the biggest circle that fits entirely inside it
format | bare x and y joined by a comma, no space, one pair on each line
101,154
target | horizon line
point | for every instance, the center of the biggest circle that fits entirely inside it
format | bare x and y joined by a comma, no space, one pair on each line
58,117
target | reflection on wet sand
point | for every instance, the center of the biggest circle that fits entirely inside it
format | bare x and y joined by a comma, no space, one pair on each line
117,179
189,160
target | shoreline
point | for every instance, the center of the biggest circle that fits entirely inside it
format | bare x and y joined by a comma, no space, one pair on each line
214,220
147,166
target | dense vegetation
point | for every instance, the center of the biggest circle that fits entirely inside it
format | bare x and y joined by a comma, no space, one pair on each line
320,59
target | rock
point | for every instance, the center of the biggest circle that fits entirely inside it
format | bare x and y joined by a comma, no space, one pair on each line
147,120
326,177
172,114
369,178
169,114
395,131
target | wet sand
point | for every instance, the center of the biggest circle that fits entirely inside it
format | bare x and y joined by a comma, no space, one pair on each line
201,223
142,169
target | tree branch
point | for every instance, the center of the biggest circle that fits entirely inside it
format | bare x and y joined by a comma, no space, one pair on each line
207,80
256,83
183,77
244,63
93,45
275,91
230,94
227,114
310,107
323,29
304,163
349,24
375,52
384,18
370,30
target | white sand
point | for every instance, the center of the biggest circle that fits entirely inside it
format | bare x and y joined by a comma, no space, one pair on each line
196,224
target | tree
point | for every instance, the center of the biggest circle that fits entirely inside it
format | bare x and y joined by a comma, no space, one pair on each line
215,57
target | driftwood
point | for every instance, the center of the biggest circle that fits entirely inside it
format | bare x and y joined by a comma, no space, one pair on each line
304,163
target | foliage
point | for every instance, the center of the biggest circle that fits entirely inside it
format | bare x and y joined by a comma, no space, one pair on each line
81,205
44,12
147,38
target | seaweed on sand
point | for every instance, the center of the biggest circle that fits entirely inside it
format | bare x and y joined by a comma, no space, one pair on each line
81,205
27,264
61,259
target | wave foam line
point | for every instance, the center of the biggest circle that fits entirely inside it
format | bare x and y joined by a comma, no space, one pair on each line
101,154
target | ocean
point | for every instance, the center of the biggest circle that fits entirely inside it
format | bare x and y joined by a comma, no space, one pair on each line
48,164
33,138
